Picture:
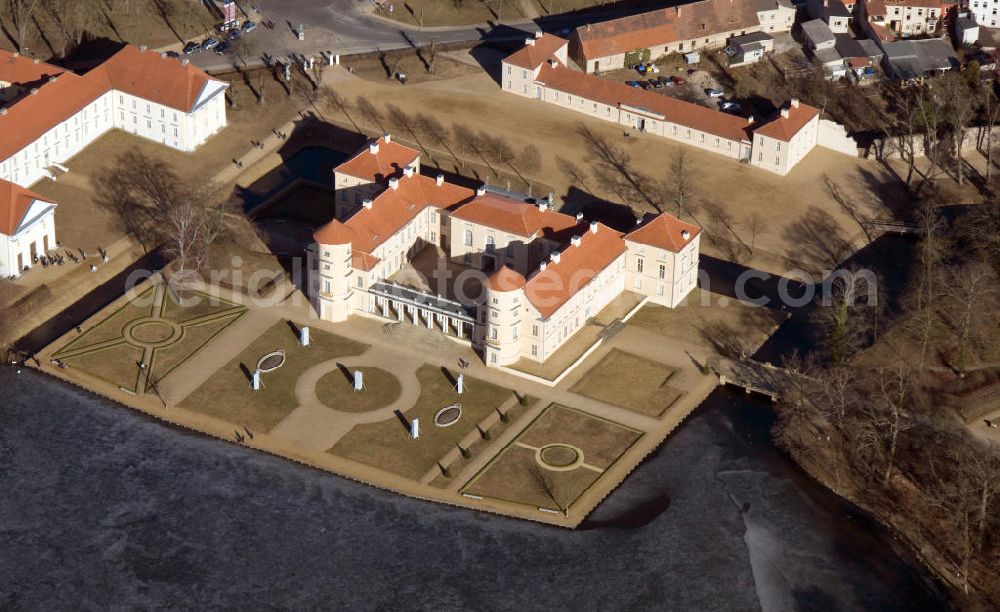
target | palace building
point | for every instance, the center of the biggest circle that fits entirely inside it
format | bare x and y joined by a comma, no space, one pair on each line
543,273
49,114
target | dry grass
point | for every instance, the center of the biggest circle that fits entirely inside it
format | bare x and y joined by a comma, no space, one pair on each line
387,445
729,327
515,476
336,390
630,381
227,395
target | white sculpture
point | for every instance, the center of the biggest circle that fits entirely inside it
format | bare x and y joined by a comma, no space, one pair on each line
304,336
415,428
460,384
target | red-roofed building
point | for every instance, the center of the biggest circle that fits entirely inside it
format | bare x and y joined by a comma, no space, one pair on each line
49,114
651,112
544,273
27,228
782,142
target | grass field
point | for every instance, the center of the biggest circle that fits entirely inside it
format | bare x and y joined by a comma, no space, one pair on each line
227,395
387,445
630,381
560,436
336,390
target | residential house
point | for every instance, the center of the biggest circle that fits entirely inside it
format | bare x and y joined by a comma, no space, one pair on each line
966,29
905,18
914,60
783,142
834,13
704,24
749,48
817,35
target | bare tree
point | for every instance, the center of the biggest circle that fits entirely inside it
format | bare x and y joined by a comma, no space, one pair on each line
575,172
369,113
755,225
21,13
959,102
682,181
970,301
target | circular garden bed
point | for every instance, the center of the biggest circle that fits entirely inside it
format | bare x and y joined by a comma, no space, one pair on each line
336,390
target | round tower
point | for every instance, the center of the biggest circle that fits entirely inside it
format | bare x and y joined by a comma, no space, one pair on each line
331,272
504,308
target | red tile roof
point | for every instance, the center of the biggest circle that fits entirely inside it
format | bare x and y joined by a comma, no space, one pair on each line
784,128
549,289
390,160
504,280
15,201
614,93
146,74
534,54
657,28
514,216
391,210
664,231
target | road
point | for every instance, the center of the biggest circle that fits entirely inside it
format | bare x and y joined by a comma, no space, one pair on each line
345,27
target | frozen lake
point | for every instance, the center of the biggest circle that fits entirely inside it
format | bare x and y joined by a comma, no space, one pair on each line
101,507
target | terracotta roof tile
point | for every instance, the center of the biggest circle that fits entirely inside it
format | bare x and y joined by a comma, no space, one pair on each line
535,54
390,160
784,128
15,201
129,70
504,280
664,231
686,22
614,93
391,209
514,216
549,289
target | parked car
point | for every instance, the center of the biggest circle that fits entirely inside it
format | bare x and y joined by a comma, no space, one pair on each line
192,47
655,83
632,83
641,68
209,43
249,26
235,33
714,93
172,54
665,81
678,80
644,84
222,48
731,107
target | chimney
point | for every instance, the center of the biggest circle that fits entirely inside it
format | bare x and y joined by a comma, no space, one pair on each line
163,55
142,48
553,63
34,91
367,203
542,266
554,256
53,79
439,180
408,171
784,113
36,60
579,216
593,227
685,234
543,205
794,102
3,111
530,42
394,183
750,119
588,26
373,147
387,138
575,241
185,61
538,33
481,190
639,221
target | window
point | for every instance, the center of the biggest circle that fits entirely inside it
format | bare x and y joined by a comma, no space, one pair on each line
534,330
638,265
361,282
468,237
493,357
534,350
663,271
509,69
659,290
515,333
489,244
493,333
326,286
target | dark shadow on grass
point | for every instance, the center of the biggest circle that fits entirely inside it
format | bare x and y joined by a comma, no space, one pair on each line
246,372
402,419
451,377
295,328
346,372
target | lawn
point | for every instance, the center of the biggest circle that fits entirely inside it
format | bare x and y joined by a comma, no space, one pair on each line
111,326
194,337
336,390
117,365
515,475
227,395
631,382
387,445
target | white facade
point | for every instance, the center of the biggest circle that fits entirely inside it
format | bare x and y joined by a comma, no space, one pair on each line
35,235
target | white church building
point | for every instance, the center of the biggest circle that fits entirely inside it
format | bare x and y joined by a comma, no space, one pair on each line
49,114
27,227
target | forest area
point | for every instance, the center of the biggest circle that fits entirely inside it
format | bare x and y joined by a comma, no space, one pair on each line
891,409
